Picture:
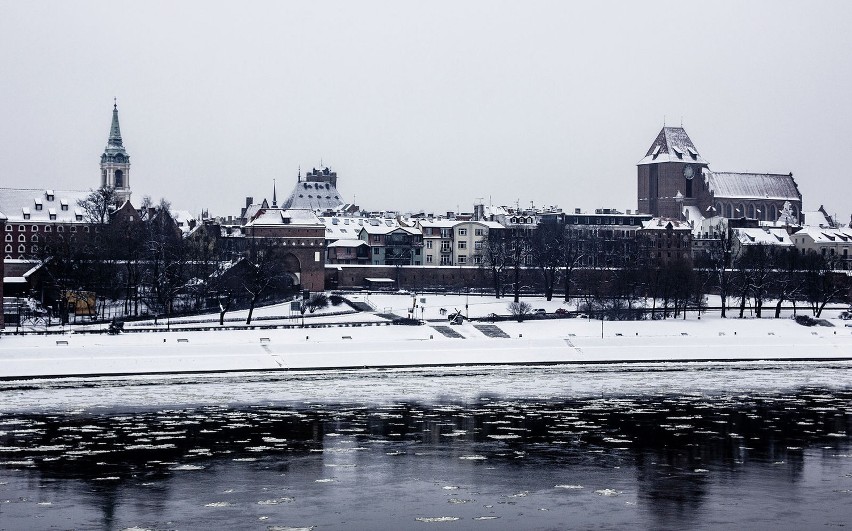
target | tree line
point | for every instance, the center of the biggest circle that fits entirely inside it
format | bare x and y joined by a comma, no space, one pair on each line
623,278
139,262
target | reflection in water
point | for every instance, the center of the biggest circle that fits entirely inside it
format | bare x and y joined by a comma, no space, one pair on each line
655,461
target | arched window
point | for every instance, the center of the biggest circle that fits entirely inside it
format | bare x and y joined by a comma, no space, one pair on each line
751,212
34,238
34,249
8,237
22,238
8,248
719,211
119,179
773,210
22,248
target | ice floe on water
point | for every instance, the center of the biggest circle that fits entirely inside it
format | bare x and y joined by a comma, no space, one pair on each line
607,492
569,487
437,519
275,501
473,457
186,467
219,504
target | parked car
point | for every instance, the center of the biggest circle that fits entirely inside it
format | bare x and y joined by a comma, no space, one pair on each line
561,311
539,311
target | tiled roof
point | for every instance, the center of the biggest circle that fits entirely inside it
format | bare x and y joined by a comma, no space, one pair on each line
753,186
672,145
15,202
347,243
763,236
277,216
824,235
313,196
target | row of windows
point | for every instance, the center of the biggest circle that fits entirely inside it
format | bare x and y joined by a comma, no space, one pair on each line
21,238
21,249
40,206
592,220
47,228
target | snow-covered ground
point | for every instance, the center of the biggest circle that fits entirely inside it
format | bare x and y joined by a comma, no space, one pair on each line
366,340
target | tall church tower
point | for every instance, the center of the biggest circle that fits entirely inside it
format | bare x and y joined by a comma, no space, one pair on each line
115,162
670,176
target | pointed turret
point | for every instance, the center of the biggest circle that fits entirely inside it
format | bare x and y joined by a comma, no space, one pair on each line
115,130
274,195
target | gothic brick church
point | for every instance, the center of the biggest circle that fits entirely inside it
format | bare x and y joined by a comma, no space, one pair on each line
674,179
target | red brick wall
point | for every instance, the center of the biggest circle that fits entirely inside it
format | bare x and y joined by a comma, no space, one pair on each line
670,181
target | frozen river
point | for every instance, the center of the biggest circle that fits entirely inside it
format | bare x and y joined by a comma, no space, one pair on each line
658,446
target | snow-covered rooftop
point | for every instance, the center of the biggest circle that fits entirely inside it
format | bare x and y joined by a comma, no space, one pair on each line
40,205
672,145
753,186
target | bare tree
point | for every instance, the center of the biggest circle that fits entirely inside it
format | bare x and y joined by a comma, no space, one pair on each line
572,257
495,252
518,254
718,261
519,309
546,249
821,284
98,204
166,264
265,272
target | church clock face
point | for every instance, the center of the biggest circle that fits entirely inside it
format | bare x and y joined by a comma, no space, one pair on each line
688,172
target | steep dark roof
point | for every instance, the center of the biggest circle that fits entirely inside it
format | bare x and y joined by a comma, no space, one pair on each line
672,145
753,186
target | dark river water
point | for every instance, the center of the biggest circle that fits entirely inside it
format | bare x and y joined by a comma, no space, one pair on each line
710,446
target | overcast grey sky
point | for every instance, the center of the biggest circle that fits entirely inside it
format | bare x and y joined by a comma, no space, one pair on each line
424,105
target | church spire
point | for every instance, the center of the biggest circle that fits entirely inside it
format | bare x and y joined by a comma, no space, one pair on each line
274,197
115,130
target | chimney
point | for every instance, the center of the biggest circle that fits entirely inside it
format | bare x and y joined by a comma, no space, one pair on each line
249,201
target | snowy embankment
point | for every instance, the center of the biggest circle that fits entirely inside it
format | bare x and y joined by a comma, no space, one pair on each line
530,342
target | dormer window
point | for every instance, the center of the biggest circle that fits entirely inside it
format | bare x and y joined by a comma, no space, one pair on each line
78,217
692,153
49,194
52,213
26,212
38,205
678,152
656,152
63,204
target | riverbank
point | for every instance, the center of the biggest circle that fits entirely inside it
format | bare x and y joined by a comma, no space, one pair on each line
340,346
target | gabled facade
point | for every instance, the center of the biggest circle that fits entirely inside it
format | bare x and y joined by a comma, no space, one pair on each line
299,236
664,240
393,245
